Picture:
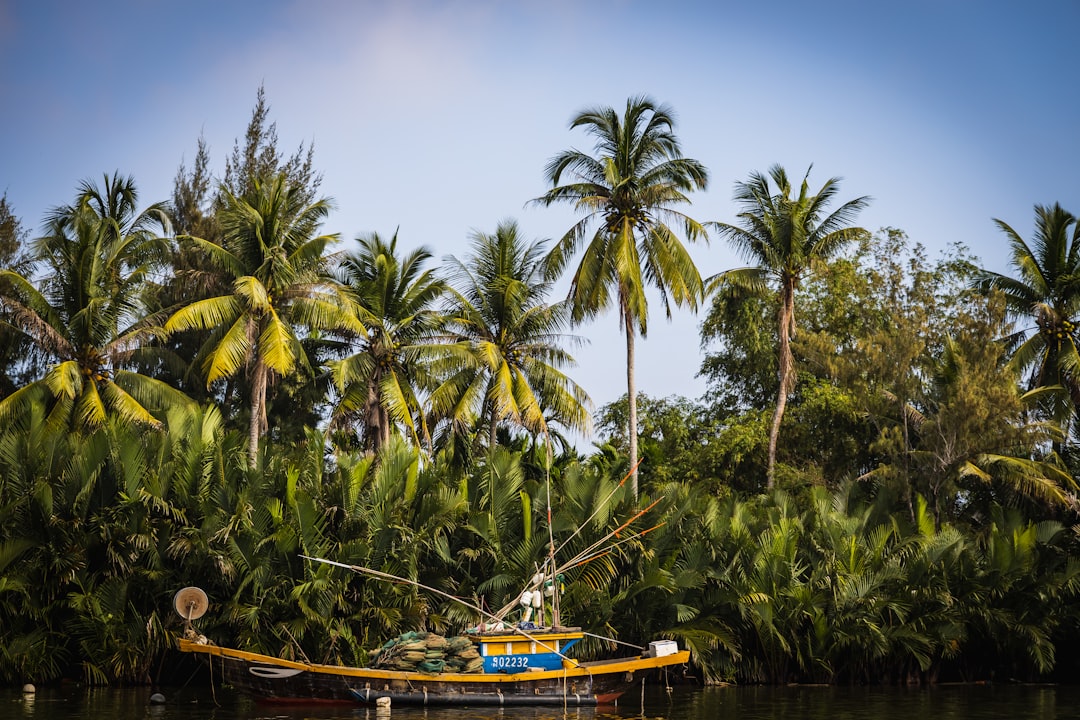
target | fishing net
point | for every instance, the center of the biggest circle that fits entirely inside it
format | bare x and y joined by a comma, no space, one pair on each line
428,653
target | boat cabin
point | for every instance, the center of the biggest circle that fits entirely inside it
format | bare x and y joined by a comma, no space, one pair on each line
516,651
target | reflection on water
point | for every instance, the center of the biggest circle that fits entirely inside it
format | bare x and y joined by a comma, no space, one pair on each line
222,704
952,702
968,702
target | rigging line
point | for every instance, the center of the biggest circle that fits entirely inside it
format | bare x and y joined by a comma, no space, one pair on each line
578,560
617,642
589,559
588,555
584,557
617,530
395,578
594,549
555,615
600,505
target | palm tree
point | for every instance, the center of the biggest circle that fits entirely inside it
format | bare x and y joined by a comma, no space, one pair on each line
88,317
14,255
395,297
788,236
275,264
508,347
1046,289
628,192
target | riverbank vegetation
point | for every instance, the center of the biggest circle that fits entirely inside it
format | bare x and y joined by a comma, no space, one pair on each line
205,391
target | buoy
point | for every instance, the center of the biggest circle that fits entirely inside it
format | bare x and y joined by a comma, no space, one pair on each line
383,702
157,699
28,689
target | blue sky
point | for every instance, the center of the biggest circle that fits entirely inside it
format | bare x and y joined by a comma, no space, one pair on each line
438,117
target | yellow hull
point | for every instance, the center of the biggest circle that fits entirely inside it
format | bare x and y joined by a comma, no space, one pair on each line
575,683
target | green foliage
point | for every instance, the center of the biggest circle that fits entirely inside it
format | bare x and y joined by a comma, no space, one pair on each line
505,361
921,529
679,440
739,343
199,205
787,237
279,286
14,346
86,318
260,158
1046,293
381,384
822,587
629,192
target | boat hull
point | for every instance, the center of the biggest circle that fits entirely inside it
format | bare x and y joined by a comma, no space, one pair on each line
277,680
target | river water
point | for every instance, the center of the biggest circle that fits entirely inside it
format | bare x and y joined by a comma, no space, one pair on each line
960,702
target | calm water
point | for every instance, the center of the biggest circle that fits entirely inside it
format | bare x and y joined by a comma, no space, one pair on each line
809,703
944,703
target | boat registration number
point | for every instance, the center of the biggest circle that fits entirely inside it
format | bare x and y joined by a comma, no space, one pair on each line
505,662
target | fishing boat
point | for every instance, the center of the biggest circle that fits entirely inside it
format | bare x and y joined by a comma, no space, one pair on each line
575,683
520,663
520,667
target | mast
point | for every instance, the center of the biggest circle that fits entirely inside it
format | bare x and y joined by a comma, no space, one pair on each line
552,574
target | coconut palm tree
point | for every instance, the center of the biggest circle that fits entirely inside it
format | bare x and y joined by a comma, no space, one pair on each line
14,255
1047,290
276,267
628,192
509,342
88,316
396,297
786,236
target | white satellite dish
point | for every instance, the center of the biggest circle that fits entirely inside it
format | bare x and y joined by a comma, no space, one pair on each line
190,603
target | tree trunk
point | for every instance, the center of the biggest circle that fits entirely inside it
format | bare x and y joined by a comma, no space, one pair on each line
488,418
258,412
373,430
785,373
384,425
908,491
631,397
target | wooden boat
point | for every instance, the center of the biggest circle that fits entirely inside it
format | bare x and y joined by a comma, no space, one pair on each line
522,664
519,669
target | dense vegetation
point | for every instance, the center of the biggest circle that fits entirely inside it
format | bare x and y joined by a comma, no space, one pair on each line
202,393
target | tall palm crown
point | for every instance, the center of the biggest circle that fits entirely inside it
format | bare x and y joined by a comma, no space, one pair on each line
276,267
786,235
509,347
1047,290
627,192
100,253
396,301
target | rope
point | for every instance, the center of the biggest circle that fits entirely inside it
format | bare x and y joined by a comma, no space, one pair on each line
617,642
600,505
213,690
395,578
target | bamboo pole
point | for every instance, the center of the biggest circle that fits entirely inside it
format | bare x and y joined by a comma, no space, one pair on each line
395,578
